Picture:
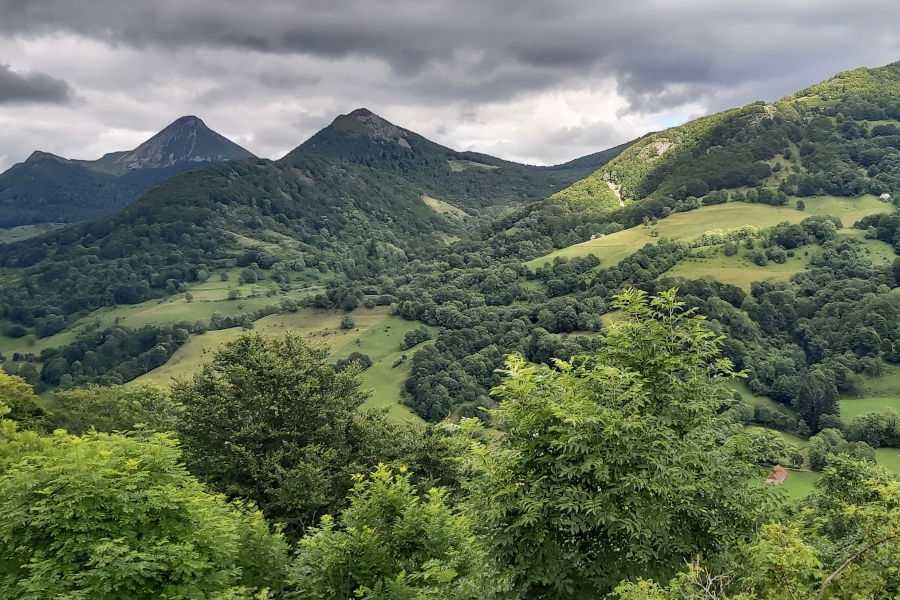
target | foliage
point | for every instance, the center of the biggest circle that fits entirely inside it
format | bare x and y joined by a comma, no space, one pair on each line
358,358
143,406
21,402
47,189
104,516
391,542
830,442
414,338
778,150
270,420
619,463
843,544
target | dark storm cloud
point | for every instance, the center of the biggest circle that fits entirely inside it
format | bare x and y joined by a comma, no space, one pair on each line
533,80
650,46
31,87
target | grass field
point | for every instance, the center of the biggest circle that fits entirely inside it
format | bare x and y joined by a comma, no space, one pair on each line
445,208
789,438
381,343
889,458
738,385
799,483
683,226
461,165
23,232
881,394
209,298
738,270
852,407
377,334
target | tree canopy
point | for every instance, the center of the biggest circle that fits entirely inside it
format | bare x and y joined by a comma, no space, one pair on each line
620,462
106,517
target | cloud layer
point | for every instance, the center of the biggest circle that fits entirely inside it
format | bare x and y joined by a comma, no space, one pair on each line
31,87
534,80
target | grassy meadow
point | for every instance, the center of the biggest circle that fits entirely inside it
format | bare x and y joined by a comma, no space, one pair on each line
445,208
613,248
377,334
740,270
799,484
23,232
209,298
880,394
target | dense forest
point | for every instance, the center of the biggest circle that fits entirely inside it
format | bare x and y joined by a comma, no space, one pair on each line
622,473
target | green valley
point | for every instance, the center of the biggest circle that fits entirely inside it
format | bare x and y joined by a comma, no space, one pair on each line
382,368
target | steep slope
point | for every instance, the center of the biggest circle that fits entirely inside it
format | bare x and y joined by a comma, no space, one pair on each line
469,180
48,188
839,138
186,141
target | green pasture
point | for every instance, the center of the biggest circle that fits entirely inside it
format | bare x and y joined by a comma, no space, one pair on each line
23,232
889,458
461,165
209,298
738,270
613,248
445,208
799,484
879,394
376,333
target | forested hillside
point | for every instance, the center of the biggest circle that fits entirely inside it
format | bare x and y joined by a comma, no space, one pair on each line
344,221
469,180
837,138
624,473
325,226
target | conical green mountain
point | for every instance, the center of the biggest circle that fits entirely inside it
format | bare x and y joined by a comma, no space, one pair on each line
469,180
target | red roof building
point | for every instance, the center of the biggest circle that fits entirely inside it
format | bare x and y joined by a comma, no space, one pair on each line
777,476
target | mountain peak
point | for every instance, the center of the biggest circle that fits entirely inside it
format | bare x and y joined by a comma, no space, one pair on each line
363,122
362,112
189,120
185,140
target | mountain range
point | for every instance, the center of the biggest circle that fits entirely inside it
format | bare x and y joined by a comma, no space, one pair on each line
496,256
51,189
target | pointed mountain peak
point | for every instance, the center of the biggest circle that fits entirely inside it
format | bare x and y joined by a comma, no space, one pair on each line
363,112
189,119
363,122
187,122
186,140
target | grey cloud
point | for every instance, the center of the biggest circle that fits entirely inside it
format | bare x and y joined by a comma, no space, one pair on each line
649,46
287,81
470,73
32,87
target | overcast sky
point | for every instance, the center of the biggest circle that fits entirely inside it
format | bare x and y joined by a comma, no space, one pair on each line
539,81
